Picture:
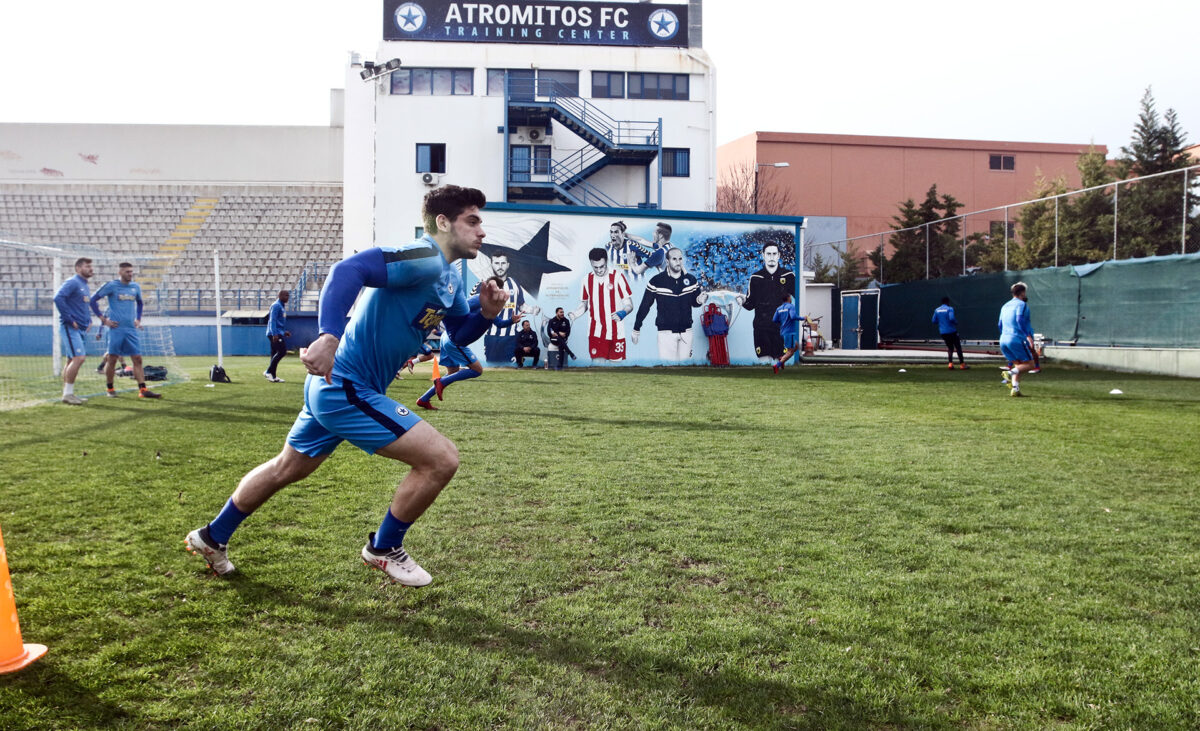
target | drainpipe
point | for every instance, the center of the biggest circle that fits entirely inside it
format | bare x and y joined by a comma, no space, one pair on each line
710,193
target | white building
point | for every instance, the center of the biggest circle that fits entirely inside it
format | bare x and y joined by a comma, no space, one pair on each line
607,104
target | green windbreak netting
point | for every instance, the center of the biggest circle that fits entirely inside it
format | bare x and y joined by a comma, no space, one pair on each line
1152,302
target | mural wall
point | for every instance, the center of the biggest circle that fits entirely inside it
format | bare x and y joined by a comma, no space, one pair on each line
637,287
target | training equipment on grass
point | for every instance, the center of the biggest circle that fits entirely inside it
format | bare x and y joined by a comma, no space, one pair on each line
14,654
32,364
1116,392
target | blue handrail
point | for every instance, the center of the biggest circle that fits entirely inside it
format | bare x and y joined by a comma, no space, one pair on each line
615,132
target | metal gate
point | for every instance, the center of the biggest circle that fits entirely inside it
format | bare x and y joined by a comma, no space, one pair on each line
860,319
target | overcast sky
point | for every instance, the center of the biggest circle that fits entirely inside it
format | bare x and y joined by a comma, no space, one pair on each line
1047,71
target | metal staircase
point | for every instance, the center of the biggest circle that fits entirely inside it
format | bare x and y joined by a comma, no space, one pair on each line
536,103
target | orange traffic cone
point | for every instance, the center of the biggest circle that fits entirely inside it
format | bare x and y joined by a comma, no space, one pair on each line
437,372
13,654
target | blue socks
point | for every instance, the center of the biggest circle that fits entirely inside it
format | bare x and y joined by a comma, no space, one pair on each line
461,375
391,531
226,522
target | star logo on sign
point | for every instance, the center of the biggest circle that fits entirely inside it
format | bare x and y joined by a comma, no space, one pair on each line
663,24
410,17
528,264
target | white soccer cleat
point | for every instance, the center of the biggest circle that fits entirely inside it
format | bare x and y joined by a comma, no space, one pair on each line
214,554
73,400
1015,392
396,563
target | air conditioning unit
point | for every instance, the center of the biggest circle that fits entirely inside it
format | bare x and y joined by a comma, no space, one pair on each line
429,178
535,134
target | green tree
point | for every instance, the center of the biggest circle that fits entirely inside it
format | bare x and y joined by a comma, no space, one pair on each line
1086,219
823,271
926,241
1150,212
1037,225
850,269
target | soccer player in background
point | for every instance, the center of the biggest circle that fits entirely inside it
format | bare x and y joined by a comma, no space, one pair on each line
607,299
123,318
785,316
460,360
1016,337
948,329
72,300
276,333
767,290
676,293
410,289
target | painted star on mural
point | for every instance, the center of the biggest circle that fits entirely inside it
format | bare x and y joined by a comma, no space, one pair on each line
528,264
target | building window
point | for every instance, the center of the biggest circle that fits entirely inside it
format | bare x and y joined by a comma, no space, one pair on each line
1002,162
525,81
608,85
431,157
541,159
676,162
658,86
997,229
434,82
562,83
419,232
495,82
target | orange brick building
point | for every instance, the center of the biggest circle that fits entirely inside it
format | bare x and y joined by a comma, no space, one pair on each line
864,179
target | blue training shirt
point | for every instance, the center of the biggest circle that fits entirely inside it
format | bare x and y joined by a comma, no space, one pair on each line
72,301
124,303
785,315
276,320
944,317
411,290
1014,321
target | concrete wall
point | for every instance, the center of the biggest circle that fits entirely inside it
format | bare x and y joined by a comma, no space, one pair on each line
1164,361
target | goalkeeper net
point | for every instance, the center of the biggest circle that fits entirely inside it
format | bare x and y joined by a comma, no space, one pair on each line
31,348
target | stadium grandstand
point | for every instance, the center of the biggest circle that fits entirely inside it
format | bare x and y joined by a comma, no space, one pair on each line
268,200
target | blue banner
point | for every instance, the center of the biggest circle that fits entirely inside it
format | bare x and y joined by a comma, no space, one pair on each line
550,21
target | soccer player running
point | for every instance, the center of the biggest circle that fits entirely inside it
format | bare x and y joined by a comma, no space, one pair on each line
785,316
72,300
948,329
460,360
1016,337
276,333
123,318
410,289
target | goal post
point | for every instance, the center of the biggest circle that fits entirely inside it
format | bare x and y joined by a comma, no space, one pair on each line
31,347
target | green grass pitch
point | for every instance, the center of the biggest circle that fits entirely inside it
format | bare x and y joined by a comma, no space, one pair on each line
833,547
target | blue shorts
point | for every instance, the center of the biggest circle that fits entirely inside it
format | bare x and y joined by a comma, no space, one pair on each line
345,411
124,341
456,355
789,340
1015,350
72,342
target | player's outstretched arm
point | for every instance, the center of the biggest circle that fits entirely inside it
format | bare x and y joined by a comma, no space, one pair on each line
346,279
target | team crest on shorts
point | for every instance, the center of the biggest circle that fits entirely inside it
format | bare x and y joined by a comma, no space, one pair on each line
402,411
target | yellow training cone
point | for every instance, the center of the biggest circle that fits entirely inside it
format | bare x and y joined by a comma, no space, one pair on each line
13,654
